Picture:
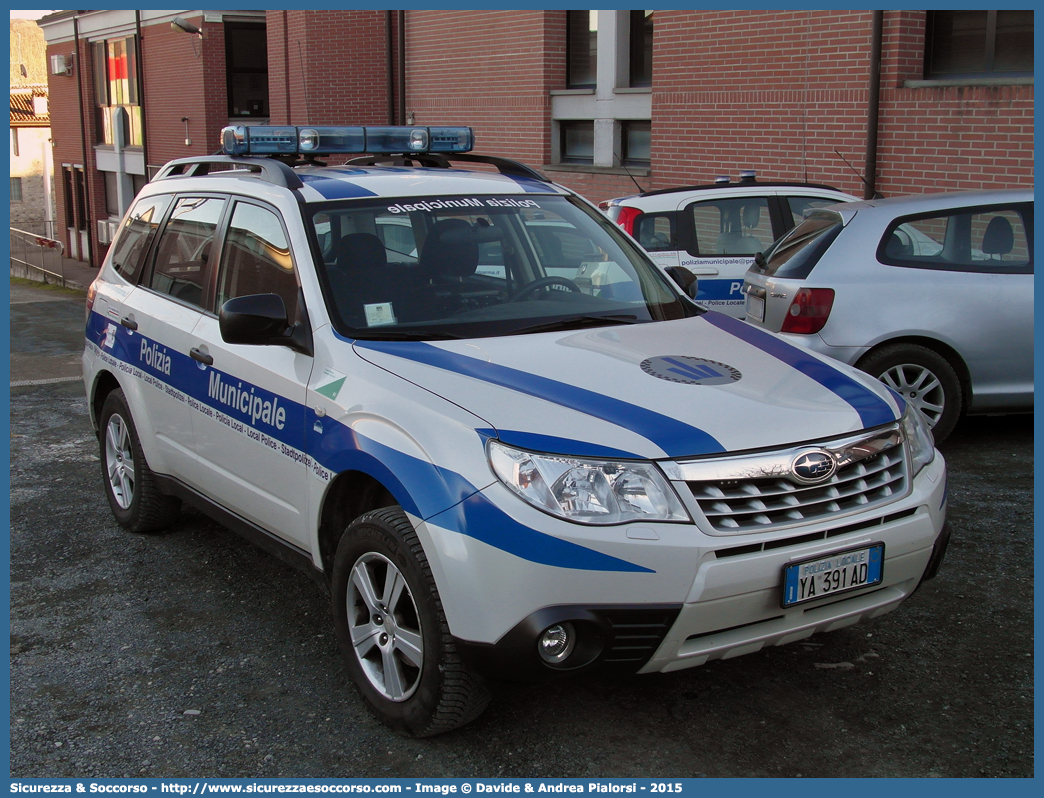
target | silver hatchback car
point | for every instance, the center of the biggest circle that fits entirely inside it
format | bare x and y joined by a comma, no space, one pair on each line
932,294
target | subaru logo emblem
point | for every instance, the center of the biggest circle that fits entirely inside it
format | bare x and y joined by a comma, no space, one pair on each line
815,466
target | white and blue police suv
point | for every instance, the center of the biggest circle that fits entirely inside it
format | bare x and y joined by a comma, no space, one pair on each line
467,401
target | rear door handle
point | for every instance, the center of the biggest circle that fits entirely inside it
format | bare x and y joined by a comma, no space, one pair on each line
202,357
129,323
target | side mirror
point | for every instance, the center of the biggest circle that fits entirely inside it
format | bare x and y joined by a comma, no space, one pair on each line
260,320
684,278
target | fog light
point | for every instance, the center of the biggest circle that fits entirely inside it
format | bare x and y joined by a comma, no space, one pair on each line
556,643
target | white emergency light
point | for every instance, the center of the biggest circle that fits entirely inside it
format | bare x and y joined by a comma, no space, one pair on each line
280,140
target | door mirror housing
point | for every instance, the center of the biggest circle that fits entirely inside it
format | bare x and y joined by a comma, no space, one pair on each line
260,320
684,278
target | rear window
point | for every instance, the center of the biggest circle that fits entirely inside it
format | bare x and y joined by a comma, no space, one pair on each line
797,253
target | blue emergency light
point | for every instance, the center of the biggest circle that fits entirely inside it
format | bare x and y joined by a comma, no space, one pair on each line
280,140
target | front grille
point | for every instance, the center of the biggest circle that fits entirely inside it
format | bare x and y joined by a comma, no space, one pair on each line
757,499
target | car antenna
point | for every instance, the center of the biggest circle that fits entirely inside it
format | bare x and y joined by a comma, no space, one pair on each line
877,194
624,167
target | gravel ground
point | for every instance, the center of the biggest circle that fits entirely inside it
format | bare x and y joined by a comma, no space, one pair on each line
190,653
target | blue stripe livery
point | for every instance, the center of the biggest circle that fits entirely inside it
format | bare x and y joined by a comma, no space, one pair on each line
674,437
432,493
477,514
332,189
550,444
872,409
717,290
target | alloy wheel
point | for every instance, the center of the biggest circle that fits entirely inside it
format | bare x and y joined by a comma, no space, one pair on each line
385,627
918,386
119,460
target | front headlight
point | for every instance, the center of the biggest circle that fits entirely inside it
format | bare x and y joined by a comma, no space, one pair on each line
587,491
919,438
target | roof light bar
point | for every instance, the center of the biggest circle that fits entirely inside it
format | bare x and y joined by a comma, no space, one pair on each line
279,140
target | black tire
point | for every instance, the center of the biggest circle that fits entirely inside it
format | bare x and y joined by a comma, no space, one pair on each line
417,699
130,485
924,378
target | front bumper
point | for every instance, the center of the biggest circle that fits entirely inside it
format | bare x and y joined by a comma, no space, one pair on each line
716,599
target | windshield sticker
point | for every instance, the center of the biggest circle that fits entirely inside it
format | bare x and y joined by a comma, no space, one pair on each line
379,313
470,202
690,370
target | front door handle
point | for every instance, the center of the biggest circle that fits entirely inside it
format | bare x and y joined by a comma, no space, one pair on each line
202,357
129,323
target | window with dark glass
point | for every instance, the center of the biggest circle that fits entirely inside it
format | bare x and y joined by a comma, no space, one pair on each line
246,60
636,139
968,44
16,189
183,251
256,258
133,241
641,48
581,49
577,142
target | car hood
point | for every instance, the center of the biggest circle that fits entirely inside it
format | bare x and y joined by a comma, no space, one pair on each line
677,389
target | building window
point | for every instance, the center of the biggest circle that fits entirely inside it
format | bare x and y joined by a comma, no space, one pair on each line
14,142
581,49
246,61
115,70
636,143
577,142
969,44
641,48
16,189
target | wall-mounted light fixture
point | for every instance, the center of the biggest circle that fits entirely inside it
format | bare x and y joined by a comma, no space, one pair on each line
188,141
182,26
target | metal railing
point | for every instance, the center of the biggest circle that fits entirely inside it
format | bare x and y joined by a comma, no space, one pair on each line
36,256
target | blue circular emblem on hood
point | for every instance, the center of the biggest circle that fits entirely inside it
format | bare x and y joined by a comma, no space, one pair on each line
690,370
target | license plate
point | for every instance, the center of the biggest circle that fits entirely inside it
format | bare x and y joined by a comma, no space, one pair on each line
838,573
756,307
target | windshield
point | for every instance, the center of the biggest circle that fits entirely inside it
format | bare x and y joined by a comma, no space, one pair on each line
478,266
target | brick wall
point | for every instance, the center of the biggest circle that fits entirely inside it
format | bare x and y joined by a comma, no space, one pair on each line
184,77
328,67
779,92
492,70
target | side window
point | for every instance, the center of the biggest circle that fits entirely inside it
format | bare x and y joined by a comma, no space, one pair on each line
256,258
980,240
740,226
656,232
800,207
180,267
134,240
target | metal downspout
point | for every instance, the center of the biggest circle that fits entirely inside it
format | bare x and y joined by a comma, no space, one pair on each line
78,65
140,69
402,67
390,47
873,106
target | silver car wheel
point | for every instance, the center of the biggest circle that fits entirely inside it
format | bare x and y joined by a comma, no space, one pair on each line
918,386
119,460
385,627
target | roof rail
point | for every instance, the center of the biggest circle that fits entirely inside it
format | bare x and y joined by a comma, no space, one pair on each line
441,160
270,170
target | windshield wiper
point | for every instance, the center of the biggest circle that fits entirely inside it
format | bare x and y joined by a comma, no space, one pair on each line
406,335
577,323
